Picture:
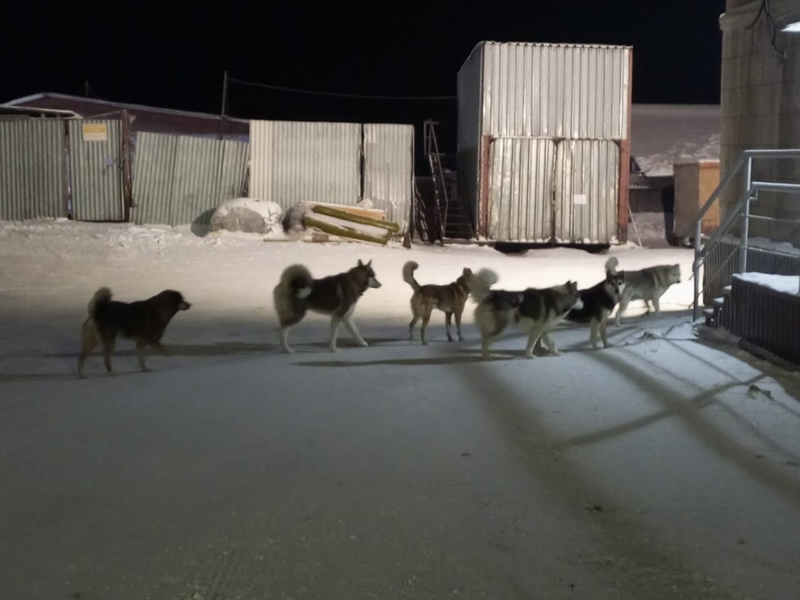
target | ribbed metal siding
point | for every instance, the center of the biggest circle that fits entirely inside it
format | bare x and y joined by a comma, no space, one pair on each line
180,180
31,169
96,173
590,168
234,170
558,91
295,162
153,172
521,189
469,129
765,318
389,169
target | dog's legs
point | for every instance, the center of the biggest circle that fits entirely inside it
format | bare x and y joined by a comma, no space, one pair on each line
162,350
603,328
108,349
657,306
458,324
140,348
485,347
448,320
425,320
593,334
335,321
623,305
533,336
88,343
551,343
411,327
285,339
351,327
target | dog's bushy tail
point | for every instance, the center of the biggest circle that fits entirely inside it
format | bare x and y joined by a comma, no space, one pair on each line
295,284
611,266
408,275
480,284
99,301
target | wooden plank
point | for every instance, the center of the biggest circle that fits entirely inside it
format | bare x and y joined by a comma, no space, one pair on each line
340,214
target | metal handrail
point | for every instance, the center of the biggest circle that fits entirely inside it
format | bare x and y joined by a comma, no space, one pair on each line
740,210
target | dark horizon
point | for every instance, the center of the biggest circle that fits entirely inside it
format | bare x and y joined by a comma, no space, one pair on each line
168,60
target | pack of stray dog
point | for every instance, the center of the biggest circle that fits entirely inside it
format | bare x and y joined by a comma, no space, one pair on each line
536,311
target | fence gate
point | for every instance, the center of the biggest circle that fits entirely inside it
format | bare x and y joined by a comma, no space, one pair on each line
95,169
32,181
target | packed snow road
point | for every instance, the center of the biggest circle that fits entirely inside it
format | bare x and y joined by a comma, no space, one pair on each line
663,467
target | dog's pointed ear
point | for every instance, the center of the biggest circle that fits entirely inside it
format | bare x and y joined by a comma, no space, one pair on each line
369,264
360,264
466,271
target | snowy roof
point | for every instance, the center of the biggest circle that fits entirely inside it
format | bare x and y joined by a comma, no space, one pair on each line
663,134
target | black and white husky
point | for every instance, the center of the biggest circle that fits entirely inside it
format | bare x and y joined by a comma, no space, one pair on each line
598,303
536,311
335,295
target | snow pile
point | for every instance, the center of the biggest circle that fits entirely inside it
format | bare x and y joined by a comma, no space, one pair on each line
248,216
786,284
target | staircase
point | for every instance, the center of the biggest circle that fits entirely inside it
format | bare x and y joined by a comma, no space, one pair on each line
720,259
454,219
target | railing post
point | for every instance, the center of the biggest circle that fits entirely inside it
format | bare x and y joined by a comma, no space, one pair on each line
745,232
698,231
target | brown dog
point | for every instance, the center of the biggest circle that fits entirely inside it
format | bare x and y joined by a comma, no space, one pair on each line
143,321
450,298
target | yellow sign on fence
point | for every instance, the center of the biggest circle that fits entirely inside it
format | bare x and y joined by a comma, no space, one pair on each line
95,132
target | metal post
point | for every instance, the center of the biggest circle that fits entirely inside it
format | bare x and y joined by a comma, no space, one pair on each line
745,232
224,103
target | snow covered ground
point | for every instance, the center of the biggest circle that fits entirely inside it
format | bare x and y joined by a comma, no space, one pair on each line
661,468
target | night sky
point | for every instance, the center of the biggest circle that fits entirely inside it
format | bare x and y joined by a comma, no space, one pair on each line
175,58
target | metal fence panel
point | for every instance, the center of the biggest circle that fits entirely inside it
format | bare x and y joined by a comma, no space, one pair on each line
195,188
153,171
389,169
295,162
32,169
95,154
521,189
586,192
180,180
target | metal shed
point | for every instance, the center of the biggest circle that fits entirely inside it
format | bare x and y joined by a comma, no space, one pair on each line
544,141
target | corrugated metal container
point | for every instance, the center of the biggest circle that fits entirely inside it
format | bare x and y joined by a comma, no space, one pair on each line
521,189
551,91
295,162
554,90
389,169
586,192
95,150
32,169
180,180
469,131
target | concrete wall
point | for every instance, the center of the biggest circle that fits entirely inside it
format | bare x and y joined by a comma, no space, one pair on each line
761,105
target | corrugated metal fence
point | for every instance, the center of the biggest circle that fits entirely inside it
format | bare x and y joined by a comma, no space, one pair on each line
180,180
389,169
340,163
32,174
300,162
